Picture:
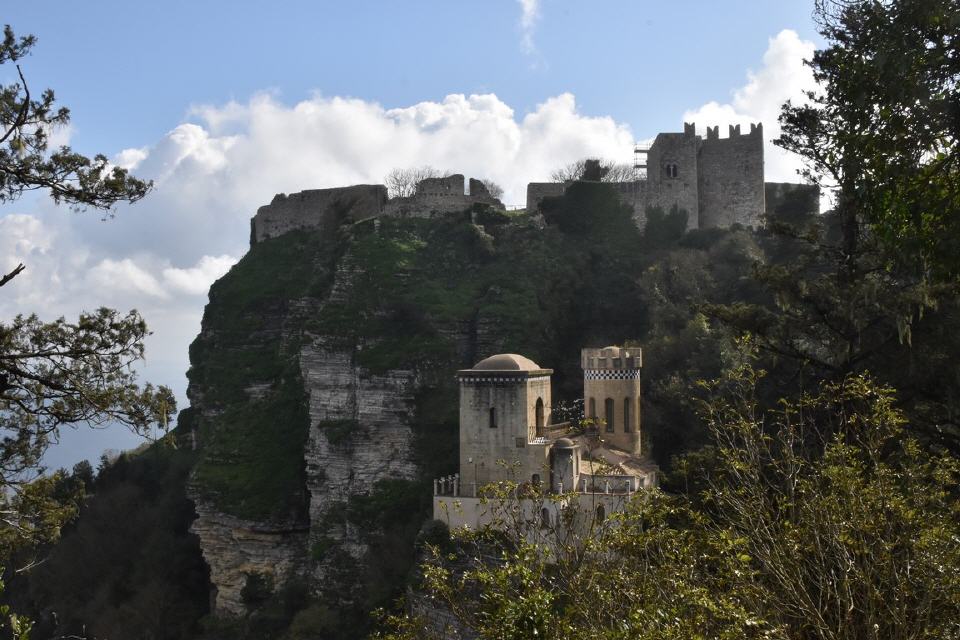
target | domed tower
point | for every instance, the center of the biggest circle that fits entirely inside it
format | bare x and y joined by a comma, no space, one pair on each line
611,394
504,407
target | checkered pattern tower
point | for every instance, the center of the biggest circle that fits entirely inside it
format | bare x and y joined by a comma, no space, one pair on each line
611,394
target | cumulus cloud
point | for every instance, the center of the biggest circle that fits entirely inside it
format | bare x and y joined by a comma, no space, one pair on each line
782,77
196,280
529,14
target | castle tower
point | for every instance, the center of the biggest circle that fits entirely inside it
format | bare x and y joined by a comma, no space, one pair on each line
504,408
731,187
611,393
672,173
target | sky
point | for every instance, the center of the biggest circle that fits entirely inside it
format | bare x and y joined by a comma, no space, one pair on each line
224,104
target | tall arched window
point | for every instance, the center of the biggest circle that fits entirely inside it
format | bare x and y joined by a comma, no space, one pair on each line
544,517
593,408
539,416
626,415
608,413
601,513
493,417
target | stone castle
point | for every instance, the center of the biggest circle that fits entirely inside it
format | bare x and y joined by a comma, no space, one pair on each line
718,181
507,434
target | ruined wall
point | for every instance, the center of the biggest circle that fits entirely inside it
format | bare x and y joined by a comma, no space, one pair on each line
322,209
440,196
731,188
672,173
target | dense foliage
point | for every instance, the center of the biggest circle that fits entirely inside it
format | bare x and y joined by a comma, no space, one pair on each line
820,518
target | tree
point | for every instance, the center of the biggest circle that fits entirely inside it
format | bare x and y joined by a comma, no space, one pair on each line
872,286
609,171
54,374
402,183
816,519
882,127
494,189
27,164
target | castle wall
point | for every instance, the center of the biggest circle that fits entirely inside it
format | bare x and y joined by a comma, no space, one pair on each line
730,180
322,209
439,196
672,173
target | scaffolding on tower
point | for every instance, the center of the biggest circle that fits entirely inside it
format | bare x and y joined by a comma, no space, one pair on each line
640,151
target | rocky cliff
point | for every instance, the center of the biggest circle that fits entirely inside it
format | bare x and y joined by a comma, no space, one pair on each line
321,384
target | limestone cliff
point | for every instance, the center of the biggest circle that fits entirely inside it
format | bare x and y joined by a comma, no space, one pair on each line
321,386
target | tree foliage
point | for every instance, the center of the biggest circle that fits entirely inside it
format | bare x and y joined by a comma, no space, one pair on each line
883,127
816,519
402,183
27,163
604,171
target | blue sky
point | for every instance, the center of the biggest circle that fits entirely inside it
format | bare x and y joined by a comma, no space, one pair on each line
224,104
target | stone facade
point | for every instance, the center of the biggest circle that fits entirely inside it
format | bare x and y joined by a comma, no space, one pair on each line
321,209
326,209
502,409
440,196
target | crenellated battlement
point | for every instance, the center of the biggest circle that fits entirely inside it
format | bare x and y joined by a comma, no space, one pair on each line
717,181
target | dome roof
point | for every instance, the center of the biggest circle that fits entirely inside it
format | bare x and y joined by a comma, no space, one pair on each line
564,443
506,362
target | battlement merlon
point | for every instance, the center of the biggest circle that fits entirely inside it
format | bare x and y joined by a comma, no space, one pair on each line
613,358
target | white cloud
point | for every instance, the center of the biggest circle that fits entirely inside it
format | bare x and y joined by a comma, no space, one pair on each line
529,14
125,276
197,280
782,77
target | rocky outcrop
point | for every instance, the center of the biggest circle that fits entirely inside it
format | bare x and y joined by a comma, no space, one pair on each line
236,549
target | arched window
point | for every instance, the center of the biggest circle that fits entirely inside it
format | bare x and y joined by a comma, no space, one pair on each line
535,480
539,412
671,170
544,517
493,417
608,414
601,513
626,415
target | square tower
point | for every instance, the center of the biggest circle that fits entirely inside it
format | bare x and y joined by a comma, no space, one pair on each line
504,407
611,394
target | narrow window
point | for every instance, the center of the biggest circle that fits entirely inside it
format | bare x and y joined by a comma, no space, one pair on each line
593,408
539,412
608,414
544,517
601,513
535,480
493,417
626,415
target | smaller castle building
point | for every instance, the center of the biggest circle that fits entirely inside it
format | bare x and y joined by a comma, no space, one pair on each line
507,433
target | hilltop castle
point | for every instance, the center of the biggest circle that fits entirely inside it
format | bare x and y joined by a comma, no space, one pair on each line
718,181
507,434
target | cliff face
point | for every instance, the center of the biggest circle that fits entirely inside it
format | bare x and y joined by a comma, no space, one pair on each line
322,383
